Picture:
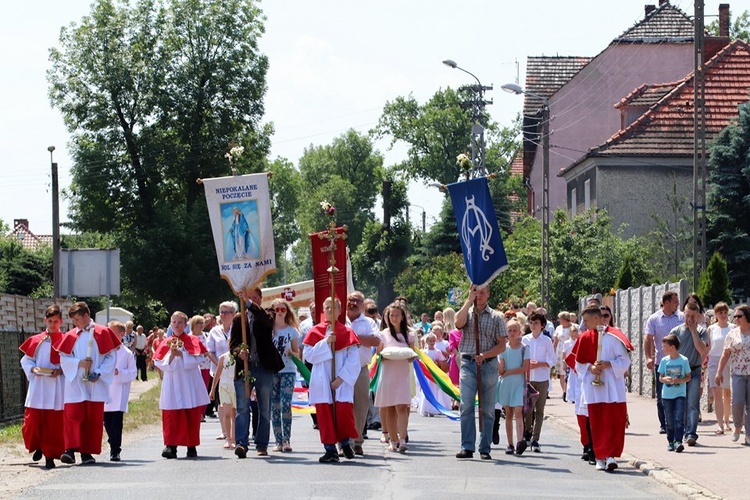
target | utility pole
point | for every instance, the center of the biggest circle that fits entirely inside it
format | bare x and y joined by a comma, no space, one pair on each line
55,227
699,149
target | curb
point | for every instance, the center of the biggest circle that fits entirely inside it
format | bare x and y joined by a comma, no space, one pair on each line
661,474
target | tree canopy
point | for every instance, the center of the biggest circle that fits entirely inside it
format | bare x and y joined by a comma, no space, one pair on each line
154,92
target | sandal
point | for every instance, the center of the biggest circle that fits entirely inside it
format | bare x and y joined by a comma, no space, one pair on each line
220,437
719,432
384,438
227,445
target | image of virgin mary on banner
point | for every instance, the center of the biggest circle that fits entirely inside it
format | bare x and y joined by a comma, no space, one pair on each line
481,243
240,211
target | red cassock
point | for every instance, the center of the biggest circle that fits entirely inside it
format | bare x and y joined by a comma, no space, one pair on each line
181,416
42,429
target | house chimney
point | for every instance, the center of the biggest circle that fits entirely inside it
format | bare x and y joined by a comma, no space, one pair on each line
662,2
724,19
22,222
649,9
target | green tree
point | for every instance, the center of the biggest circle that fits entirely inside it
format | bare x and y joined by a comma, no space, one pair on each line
713,284
728,194
382,254
154,93
625,276
427,287
23,272
521,282
738,29
285,185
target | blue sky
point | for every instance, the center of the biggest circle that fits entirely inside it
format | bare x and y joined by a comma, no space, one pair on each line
333,65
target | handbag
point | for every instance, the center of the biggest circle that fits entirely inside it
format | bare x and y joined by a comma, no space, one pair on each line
530,394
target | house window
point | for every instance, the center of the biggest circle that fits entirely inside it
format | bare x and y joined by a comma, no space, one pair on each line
587,194
573,202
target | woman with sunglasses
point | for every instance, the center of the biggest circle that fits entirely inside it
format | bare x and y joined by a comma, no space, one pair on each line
737,352
607,316
286,341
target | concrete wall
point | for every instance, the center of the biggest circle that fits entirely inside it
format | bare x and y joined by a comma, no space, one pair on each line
20,317
583,112
634,194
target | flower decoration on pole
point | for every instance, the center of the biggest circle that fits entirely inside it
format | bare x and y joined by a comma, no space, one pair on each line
327,208
464,161
233,155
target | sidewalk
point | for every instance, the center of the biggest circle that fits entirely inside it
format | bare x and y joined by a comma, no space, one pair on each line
710,469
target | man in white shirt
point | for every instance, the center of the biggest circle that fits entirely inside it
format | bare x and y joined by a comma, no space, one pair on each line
369,336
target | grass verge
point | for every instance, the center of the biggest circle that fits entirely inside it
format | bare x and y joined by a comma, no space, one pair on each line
10,433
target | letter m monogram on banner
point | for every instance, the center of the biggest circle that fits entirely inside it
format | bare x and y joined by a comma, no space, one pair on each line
481,243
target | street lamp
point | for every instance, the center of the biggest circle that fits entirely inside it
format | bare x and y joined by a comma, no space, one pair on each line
477,114
55,227
515,89
424,215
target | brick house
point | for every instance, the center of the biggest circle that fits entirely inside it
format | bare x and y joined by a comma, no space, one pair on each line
659,48
631,173
29,240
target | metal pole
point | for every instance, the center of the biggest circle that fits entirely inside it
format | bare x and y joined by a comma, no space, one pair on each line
55,227
699,244
545,206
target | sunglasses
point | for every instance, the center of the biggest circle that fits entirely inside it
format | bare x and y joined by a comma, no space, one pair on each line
738,316
280,309
606,315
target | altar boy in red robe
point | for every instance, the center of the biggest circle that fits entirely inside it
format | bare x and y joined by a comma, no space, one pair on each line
87,358
337,425
183,392
43,417
605,398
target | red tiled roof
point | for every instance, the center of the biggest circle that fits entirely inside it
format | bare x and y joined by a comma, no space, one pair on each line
29,240
666,129
647,95
545,75
665,24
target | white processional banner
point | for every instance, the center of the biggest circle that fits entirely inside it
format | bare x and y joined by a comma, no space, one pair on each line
240,212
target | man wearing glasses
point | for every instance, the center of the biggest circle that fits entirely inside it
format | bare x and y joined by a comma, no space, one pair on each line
658,326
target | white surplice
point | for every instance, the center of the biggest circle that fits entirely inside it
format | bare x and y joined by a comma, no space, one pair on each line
45,393
76,389
613,390
182,386
119,390
347,367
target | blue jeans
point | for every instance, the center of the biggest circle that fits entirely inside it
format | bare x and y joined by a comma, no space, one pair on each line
468,386
674,412
281,406
659,404
263,384
693,404
741,402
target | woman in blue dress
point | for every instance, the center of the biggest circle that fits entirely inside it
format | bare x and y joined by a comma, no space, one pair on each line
514,363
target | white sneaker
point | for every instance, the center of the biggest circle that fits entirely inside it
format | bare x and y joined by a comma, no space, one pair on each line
600,465
611,464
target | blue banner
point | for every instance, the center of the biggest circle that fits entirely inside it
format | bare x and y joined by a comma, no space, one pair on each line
482,245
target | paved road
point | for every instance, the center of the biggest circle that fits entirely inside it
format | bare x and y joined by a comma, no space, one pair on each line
428,470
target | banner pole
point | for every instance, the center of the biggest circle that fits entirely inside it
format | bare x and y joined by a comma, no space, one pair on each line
479,367
244,342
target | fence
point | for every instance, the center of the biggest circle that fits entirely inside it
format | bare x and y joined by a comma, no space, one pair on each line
20,317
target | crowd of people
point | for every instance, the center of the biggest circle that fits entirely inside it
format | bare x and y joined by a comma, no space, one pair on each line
243,370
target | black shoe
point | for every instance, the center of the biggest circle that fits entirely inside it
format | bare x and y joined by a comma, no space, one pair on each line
315,425
496,427
592,458
535,447
211,415
510,450
348,452
37,456
331,456
87,459
527,436
375,426
169,452
365,436
485,456
114,457
49,463
240,451
586,451
521,447
69,457
465,454
406,438
565,400
662,430
192,452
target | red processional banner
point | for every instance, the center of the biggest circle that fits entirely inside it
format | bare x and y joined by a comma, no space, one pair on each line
322,246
